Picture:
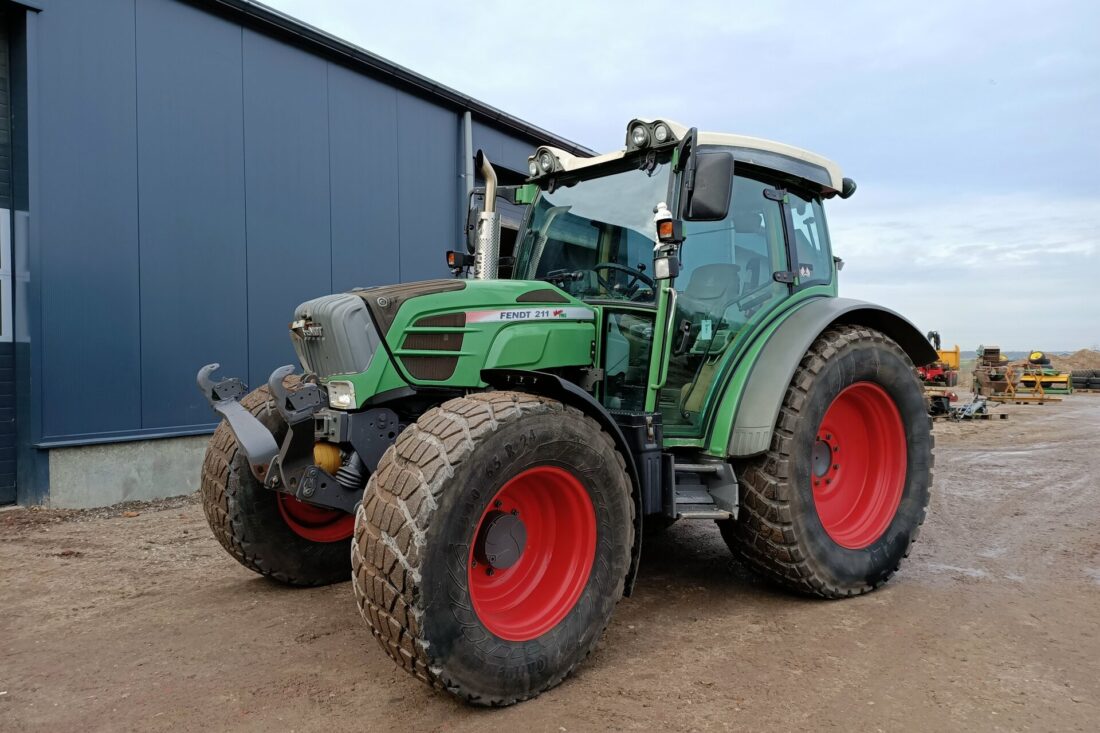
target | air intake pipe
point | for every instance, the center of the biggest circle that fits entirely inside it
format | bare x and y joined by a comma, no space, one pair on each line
487,249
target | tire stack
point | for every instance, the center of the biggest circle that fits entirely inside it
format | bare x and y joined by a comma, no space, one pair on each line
1085,378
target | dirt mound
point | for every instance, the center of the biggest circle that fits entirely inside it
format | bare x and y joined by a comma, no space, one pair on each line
1083,359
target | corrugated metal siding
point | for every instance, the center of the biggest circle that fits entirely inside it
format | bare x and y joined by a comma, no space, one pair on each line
5,113
191,198
7,348
427,185
502,149
86,219
286,158
363,169
197,180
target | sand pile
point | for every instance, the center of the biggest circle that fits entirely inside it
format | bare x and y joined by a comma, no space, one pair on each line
1083,359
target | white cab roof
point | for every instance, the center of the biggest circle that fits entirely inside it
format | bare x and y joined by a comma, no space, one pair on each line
812,167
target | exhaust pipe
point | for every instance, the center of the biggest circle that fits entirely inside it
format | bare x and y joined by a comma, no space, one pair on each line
487,249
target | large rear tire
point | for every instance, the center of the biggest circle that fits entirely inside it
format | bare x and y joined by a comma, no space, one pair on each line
838,500
270,533
492,545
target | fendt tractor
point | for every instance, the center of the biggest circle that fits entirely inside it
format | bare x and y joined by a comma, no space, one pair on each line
668,345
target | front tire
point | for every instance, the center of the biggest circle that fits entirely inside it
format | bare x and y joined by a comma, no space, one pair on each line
492,545
837,502
268,532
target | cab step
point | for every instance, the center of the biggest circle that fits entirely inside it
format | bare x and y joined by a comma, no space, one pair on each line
703,489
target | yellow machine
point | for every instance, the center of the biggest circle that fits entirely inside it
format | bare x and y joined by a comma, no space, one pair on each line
950,357
1037,373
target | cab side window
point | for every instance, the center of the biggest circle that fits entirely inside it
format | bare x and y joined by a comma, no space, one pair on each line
724,261
810,248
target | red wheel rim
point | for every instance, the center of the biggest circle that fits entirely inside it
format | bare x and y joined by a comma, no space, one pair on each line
546,519
858,465
315,523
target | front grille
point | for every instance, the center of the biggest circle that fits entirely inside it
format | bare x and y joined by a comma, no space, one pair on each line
442,341
431,368
433,341
434,368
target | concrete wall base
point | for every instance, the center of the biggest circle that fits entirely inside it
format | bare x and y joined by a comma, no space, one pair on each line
100,475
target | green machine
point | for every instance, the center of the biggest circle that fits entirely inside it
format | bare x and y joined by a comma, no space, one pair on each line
483,456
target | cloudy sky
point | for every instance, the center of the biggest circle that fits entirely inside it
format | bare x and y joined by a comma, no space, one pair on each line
973,129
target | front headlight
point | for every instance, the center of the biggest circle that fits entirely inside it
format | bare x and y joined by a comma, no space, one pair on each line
341,395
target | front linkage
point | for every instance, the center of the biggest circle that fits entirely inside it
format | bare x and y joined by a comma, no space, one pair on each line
293,468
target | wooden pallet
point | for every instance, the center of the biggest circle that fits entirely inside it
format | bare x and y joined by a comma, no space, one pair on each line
1023,400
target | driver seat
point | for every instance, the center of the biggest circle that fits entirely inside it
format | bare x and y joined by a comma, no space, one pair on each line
711,289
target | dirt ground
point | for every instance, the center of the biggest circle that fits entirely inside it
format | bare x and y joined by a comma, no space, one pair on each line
110,621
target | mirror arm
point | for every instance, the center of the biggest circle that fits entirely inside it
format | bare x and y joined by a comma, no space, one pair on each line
685,161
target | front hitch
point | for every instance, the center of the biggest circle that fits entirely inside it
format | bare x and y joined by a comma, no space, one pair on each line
290,468
254,440
297,405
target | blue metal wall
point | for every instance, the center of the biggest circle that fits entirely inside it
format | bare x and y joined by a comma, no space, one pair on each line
194,181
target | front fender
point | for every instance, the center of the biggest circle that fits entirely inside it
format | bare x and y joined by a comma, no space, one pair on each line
770,373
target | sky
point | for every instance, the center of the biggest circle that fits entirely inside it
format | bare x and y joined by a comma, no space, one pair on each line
972,129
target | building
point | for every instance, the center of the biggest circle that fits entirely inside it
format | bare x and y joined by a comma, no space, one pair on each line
176,176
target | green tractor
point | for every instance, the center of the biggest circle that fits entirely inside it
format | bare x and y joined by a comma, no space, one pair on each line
669,346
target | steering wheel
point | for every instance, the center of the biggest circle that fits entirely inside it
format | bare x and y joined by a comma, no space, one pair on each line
635,275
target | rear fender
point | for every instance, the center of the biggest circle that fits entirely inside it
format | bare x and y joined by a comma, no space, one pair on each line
554,387
769,375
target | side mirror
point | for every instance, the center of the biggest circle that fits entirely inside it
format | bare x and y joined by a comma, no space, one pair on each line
709,197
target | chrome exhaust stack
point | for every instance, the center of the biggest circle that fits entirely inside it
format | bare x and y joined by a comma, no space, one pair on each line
487,248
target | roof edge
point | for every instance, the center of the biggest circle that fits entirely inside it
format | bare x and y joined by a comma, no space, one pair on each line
272,21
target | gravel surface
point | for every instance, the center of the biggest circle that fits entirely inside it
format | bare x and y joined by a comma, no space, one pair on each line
133,618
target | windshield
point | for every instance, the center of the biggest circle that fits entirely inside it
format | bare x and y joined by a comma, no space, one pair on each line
595,238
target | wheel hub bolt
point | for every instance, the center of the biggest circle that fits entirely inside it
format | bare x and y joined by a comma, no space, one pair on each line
488,571
497,503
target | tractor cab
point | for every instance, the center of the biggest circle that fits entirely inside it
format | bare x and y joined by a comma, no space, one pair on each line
747,232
